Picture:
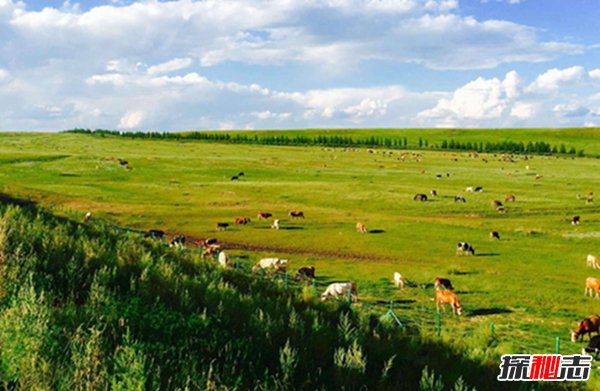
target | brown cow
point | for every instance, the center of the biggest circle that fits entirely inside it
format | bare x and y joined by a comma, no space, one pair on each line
496,203
205,242
420,197
360,227
587,326
443,283
510,198
87,217
592,285
264,215
243,220
448,297
296,214
575,220
210,250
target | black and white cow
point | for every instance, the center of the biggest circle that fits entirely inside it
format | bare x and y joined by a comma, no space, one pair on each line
464,247
459,199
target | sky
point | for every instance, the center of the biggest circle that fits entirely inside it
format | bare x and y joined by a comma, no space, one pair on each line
289,64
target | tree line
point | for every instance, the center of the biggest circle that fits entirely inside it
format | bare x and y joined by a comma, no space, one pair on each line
531,147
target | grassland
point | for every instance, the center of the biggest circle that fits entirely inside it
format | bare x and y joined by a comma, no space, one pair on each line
529,284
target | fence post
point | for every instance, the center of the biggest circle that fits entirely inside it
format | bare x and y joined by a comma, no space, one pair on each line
557,346
237,262
438,323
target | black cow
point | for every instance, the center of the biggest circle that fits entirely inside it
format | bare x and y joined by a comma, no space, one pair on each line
575,220
593,347
306,272
235,178
494,235
178,240
459,199
463,247
222,226
479,189
420,197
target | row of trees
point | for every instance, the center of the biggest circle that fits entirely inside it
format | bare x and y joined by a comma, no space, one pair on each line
538,147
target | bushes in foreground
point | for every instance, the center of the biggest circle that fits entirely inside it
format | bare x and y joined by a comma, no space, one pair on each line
87,307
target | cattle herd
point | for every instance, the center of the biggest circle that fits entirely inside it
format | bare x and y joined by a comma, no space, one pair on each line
443,289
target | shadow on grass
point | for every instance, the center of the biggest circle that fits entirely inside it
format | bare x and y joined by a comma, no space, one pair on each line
377,231
461,273
488,255
292,228
489,311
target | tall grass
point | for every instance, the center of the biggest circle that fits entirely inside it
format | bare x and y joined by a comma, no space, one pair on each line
87,307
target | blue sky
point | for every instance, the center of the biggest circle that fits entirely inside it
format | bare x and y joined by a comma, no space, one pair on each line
254,64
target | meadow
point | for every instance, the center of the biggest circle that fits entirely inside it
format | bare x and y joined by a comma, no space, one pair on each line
518,293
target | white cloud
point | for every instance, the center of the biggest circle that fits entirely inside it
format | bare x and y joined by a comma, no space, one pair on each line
523,110
170,66
555,78
131,119
572,109
267,114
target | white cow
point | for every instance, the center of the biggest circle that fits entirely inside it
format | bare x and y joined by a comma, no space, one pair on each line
398,280
271,263
223,259
340,288
469,189
593,261
275,224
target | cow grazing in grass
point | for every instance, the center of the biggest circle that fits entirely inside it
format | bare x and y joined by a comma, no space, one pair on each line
306,272
296,214
589,325
459,199
271,263
469,189
177,241
275,224
494,235
337,289
123,162
478,189
445,283
240,174
398,280
264,215
87,217
420,197
593,347
154,234
242,220
448,297
510,198
223,259
592,261
210,250
206,242
592,287
222,226
360,227
496,203
575,220
464,247
433,193
235,178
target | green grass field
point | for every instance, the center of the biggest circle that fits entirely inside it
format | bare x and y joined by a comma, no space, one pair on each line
530,284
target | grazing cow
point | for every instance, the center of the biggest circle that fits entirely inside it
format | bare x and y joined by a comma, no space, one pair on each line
360,227
222,226
177,241
459,199
264,215
593,261
271,263
420,197
496,203
223,259
206,242
154,234
592,285
240,174
501,209
242,220
438,176
469,189
463,247
575,220
275,224
593,347
340,288
494,235
123,162
510,198
210,250
296,214
306,272
445,283
87,217
589,325
478,189
398,280
433,193
448,297
235,178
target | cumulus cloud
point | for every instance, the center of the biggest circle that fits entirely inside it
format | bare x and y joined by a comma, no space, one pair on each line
170,66
555,78
131,119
